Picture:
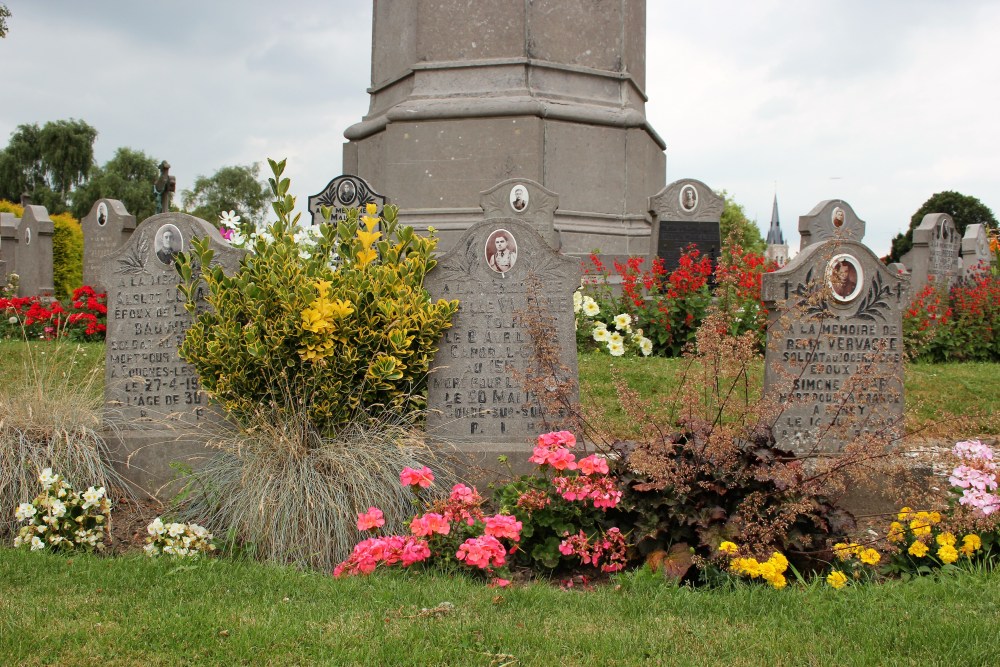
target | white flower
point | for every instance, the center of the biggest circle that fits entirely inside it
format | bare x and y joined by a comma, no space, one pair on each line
156,528
616,338
151,550
623,322
616,349
229,219
176,529
24,511
57,508
47,478
36,544
646,347
577,301
13,319
590,307
601,333
92,496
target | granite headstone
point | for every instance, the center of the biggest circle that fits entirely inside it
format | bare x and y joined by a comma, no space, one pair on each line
8,244
526,200
342,193
26,245
511,286
934,257
830,219
106,228
151,395
685,212
976,255
834,355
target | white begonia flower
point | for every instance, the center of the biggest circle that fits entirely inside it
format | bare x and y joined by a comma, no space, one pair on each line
57,508
18,541
601,334
24,511
92,497
646,347
47,478
36,543
577,301
176,529
623,322
156,528
229,219
590,307
151,549
616,349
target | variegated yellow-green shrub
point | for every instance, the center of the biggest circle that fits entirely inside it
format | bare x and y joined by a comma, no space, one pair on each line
339,329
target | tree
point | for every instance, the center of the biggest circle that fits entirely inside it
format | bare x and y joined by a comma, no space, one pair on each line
47,162
4,15
963,209
128,177
744,231
235,188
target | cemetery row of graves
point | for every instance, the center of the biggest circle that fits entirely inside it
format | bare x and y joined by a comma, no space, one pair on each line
382,381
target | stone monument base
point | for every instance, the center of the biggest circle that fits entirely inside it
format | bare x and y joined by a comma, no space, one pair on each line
153,462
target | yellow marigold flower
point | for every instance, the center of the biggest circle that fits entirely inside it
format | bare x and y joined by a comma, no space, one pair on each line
947,554
371,208
778,581
843,551
921,526
836,579
918,549
870,556
767,571
895,532
747,566
935,517
779,561
946,539
972,541
904,514
728,548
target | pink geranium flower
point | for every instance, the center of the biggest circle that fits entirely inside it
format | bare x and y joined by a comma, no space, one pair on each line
428,524
503,526
422,478
482,552
371,519
593,465
556,439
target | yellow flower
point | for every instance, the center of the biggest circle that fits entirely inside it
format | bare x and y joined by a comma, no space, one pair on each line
837,579
904,514
371,208
947,554
918,549
921,525
935,517
779,561
748,566
895,532
946,540
778,581
728,548
870,556
972,541
843,551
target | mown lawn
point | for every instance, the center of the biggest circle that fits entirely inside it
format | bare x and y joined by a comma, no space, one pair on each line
86,610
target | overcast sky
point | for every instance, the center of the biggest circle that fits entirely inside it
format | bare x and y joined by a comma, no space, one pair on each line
881,103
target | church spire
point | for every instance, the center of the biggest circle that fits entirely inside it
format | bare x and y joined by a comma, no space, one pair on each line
774,235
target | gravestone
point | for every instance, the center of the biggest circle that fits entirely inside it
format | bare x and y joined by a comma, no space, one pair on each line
830,219
26,247
935,253
485,379
151,395
342,193
526,200
834,355
107,227
976,255
685,212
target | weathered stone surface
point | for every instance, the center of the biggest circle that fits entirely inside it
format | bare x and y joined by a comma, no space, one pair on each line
152,396
526,200
511,93
26,248
477,396
834,357
106,228
935,253
976,255
685,212
343,192
830,219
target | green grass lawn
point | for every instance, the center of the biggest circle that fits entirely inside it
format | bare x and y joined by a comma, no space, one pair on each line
130,611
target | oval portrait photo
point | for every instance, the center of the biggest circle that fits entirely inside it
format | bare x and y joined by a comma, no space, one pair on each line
844,276
689,198
519,198
347,192
167,244
501,251
838,217
102,213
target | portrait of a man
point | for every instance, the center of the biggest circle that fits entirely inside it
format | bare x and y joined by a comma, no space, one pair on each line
167,244
102,213
519,198
501,251
838,217
689,198
845,277
346,192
